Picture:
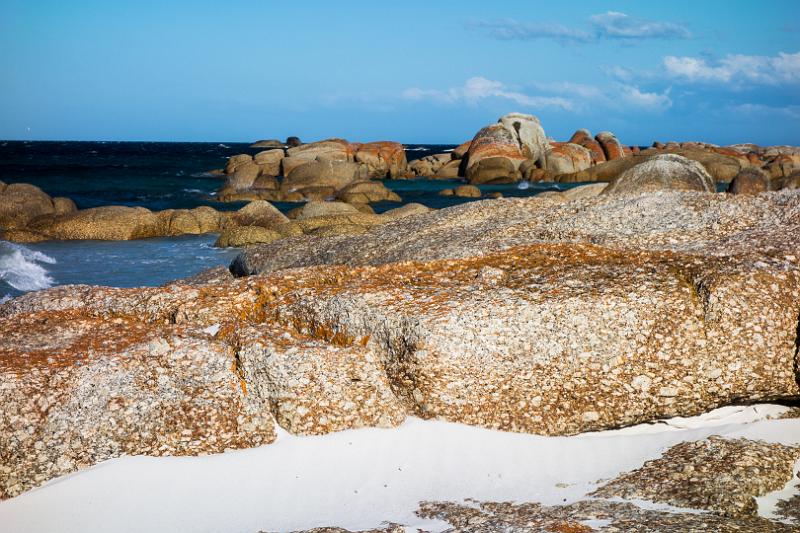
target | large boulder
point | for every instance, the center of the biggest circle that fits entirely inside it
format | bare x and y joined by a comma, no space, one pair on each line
365,192
383,159
460,151
235,161
612,148
268,143
107,223
515,138
244,176
565,158
467,191
21,202
317,209
493,170
269,161
584,138
236,236
527,315
667,172
195,221
430,164
450,170
323,173
329,149
749,181
792,181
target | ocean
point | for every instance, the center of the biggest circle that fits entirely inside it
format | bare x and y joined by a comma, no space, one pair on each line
155,175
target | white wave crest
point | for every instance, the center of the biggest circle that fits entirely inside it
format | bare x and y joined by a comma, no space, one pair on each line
21,267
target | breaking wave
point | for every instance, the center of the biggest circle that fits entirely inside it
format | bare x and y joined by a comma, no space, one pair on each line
21,268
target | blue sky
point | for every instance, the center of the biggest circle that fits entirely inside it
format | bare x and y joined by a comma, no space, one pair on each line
722,72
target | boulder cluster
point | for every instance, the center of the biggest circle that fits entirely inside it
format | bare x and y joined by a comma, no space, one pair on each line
28,214
516,148
324,170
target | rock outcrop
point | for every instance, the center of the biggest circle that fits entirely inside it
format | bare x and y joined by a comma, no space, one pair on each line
534,315
20,203
566,158
496,151
749,181
668,172
719,475
314,171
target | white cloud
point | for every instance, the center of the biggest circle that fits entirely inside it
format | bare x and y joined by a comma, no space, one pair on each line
610,25
510,29
652,101
615,25
737,69
479,88
790,111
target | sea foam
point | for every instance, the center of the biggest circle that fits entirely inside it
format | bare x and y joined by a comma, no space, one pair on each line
21,268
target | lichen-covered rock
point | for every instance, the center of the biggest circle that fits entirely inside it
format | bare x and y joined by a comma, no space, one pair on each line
612,148
328,150
493,170
235,161
383,159
513,139
111,223
528,315
322,173
668,172
269,161
430,164
460,151
318,209
21,202
365,192
716,474
749,181
467,191
63,206
79,388
564,158
244,176
450,170
246,235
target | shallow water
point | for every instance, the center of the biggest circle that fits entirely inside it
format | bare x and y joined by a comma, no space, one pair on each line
155,176
146,262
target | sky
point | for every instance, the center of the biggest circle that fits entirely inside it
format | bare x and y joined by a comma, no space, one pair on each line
416,72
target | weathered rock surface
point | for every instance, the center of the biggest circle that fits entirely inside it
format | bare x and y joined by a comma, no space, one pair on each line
749,181
497,150
269,161
383,159
565,158
429,165
21,203
467,191
612,148
716,474
551,317
667,172
584,516
364,192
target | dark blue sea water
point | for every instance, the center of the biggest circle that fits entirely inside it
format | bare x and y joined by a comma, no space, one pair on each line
156,176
